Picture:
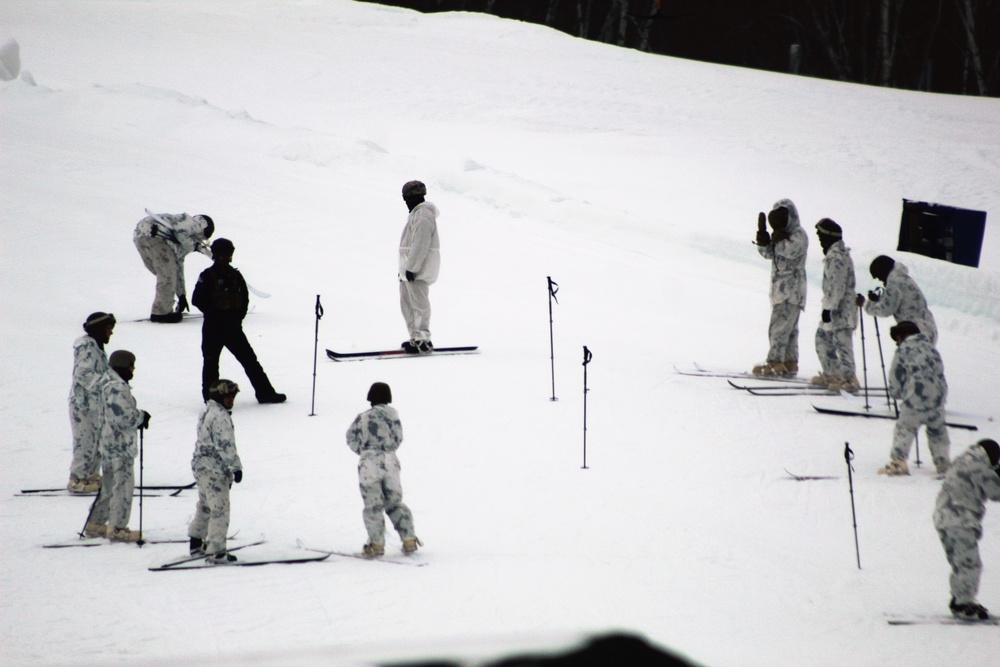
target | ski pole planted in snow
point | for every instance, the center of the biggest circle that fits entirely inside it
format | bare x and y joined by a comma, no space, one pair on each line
885,382
849,456
319,316
553,289
864,358
140,541
587,356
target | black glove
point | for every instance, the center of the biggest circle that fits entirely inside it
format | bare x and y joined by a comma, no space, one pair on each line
761,222
873,295
779,235
182,304
410,276
860,301
826,317
145,420
238,476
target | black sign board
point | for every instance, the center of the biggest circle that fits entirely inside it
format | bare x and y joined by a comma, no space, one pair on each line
942,232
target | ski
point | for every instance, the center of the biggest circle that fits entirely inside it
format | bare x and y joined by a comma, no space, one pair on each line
764,389
101,541
288,560
877,415
936,619
190,559
399,354
412,559
176,488
698,372
808,478
184,316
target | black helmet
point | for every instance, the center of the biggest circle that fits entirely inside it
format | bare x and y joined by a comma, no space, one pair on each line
379,394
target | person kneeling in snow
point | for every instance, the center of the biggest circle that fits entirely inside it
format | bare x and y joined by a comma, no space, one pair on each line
375,435
973,479
916,380
120,420
216,465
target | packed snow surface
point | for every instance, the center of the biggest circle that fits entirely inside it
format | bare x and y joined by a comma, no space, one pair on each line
632,180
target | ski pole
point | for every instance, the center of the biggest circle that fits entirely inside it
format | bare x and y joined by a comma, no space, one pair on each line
916,442
849,456
587,356
553,289
90,512
319,316
140,541
885,382
864,358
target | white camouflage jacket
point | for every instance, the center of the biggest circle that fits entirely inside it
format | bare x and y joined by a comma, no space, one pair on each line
969,483
215,450
788,260
183,234
90,366
419,248
904,301
121,418
838,288
375,432
916,376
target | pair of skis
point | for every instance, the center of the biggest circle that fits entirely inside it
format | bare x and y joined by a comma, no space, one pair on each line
201,561
800,386
399,353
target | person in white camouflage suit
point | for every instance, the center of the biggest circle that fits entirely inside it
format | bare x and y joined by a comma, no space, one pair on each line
121,418
973,479
839,317
216,466
917,382
163,241
786,246
375,435
901,299
90,366
419,265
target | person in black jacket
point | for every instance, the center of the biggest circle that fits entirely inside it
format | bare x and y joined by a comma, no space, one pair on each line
222,295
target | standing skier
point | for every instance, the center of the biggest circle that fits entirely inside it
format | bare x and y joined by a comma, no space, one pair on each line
419,263
901,299
835,334
121,419
163,241
916,380
90,365
221,293
786,246
375,435
216,465
973,479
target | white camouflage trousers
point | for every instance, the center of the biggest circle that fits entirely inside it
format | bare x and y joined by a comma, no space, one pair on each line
961,548
835,350
211,514
85,424
905,432
382,492
161,261
415,302
783,333
114,507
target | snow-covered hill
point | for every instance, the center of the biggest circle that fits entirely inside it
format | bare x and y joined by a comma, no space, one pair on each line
634,181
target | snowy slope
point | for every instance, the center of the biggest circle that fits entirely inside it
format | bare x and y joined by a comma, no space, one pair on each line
633,180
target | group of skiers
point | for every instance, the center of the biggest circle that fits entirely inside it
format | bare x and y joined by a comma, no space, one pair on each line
915,378
105,420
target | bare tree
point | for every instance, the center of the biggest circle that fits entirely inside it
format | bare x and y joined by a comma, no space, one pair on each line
888,38
583,9
550,15
972,60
